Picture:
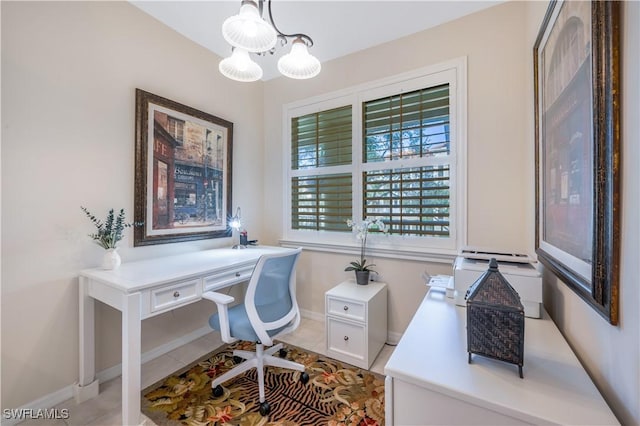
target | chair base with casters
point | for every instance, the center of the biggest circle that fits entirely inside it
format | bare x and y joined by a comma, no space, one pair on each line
259,359
269,310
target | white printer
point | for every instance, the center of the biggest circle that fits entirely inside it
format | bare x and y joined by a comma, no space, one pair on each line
517,269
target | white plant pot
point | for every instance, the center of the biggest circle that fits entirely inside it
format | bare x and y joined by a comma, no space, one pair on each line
111,259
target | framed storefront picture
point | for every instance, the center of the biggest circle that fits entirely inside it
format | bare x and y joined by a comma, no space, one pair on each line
576,75
182,172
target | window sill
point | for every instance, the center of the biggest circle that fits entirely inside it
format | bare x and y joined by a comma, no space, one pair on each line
415,254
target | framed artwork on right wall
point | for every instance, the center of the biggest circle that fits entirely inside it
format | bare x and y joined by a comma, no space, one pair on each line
576,78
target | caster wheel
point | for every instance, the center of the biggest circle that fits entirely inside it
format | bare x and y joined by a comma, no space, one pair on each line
237,360
265,409
282,353
304,378
218,391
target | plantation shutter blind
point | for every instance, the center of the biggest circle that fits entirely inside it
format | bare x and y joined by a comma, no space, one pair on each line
320,141
411,201
321,203
415,125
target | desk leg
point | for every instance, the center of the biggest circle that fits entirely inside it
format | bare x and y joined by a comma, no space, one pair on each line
131,358
87,387
388,400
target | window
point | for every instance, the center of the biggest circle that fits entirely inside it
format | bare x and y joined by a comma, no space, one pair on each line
321,203
411,200
175,127
391,150
321,199
321,139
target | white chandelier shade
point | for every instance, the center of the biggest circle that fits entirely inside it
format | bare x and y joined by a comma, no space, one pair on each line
240,67
248,33
248,30
299,63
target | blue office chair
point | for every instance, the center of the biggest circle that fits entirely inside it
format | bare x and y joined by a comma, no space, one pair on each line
269,310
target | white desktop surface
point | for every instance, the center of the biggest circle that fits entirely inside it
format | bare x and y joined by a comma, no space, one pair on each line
432,354
143,274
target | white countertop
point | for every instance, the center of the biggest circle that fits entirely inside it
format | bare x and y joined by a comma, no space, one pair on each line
433,354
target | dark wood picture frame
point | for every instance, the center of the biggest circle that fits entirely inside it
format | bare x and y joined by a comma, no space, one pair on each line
182,172
577,134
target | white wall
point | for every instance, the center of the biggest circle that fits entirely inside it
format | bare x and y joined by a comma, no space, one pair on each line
69,73
499,156
611,354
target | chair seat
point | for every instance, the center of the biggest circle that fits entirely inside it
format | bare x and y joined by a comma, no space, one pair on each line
239,324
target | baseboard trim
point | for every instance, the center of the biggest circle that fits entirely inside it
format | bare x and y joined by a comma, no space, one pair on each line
57,397
46,402
312,315
116,370
393,338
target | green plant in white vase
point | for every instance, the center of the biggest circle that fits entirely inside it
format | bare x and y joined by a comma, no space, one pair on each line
108,234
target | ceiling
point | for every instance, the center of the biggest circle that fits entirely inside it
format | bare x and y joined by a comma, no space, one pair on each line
337,28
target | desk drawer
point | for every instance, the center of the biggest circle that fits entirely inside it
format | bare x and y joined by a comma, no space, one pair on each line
216,281
346,341
174,295
346,308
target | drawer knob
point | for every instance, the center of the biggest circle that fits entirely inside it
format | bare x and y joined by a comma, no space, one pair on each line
346,308
346,338
176,294
237,274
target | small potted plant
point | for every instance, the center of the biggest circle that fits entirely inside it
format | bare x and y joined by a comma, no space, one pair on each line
108,234
361,268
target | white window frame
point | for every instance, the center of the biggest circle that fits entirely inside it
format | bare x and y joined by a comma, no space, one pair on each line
452,72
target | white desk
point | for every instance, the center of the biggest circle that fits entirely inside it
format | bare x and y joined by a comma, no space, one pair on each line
430,382
146,288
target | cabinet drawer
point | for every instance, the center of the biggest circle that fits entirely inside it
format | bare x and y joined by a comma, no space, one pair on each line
225,279
346,308
346,340
174,295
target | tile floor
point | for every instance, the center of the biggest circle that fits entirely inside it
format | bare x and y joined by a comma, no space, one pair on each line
105,409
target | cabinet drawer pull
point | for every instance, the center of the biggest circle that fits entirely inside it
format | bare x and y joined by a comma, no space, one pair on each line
237,274
346,338
176,294
346,308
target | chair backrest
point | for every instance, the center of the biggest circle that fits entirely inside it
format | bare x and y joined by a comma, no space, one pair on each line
270,299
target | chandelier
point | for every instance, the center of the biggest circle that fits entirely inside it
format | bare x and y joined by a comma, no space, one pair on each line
248,33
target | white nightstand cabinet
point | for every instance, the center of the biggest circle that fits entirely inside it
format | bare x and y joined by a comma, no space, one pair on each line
356,322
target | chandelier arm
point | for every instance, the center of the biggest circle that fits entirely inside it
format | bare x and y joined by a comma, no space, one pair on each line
307,40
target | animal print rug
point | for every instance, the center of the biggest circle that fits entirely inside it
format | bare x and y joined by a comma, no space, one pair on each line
336,394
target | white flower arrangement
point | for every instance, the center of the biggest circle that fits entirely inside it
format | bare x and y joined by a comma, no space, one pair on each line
362,231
